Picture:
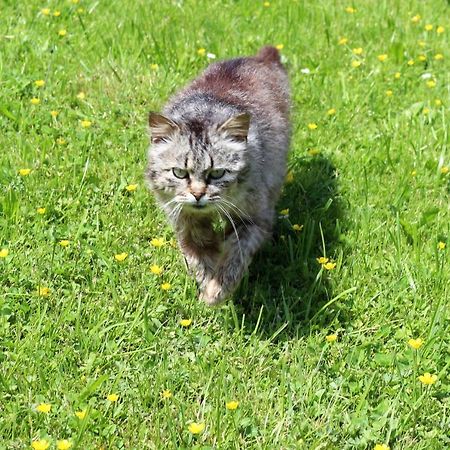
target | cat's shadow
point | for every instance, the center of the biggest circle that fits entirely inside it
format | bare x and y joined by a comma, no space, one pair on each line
286,291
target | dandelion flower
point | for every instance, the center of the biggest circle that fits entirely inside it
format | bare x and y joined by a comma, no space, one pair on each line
81,414
397,75
440,29
196,428
329,265
43,291
35,101
342,41
279,46
297,227
112,398
157,270
57,13
444,170
441,245
438,102
416,18
64,243
44,407
4,252
331,337
75,1
266,4
232,405
431,84
428,27
422,58
54,114
411,62
86,123
185,322
413,173
39,83
63,444
350,10
389,93
438,56
382,57
62,33
421,44
356,64
131,187
313,151
427,378
289,177
312,126
81,95
284,212
415,343
121,257
154,67
45,11
426,111
381,447
166,286
60,141
157,242
40,210
166,394
201,52
331,112
322,260
42,444
24,172
357,51
80,10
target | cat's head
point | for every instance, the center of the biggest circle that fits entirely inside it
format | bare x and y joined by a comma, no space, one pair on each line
197,164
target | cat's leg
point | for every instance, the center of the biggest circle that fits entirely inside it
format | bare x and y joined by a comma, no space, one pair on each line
239,249
200,246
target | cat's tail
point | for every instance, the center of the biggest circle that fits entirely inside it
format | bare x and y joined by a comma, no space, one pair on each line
269,55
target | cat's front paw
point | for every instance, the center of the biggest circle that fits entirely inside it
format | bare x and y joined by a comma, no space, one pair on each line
213,294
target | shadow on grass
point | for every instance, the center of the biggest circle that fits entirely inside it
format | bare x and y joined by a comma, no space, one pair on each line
285,286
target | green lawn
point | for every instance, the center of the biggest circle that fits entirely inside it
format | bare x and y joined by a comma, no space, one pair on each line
368,188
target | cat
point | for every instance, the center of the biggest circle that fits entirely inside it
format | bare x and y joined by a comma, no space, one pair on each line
218,152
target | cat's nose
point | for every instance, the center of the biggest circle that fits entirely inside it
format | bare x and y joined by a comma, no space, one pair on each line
198,195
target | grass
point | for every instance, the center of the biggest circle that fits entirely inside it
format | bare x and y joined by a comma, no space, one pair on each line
369,185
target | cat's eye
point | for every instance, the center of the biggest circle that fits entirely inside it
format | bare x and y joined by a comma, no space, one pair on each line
215,174
180,173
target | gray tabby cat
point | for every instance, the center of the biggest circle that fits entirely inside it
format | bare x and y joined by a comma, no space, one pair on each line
218,152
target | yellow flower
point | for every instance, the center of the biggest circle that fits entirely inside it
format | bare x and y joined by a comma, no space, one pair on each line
322,260
428,27
112,398
415,343
382,58
297,227
266,4
416,18
80,10
312,126
350,10
44,407
289,177
24,172
279,46
397,75
154,67
75,1
438,56
40,210
54,113
60,141
413,173
4,252
422,58
201,51
81,95
329,265
57,13
313,151
438,102
232,405
120,257
86,123
356,64
43,291
411,62
166,286
381,447
64,243
440,29
444,170
39,83
389,93
157,270
196,428
64,444
421,44
42,444
131,187
62,33
357,51
166,393
284,212
185,322
441,245
426,111
35,101
45,11
157,242
81,414
342,41
331,337
431,83
331,112
427,378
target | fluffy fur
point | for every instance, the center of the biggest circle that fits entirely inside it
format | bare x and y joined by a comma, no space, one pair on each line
218,151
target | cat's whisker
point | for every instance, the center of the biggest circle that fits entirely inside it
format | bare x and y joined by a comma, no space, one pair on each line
234,228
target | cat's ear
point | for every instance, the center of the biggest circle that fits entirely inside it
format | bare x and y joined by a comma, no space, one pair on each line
161,128
237,127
